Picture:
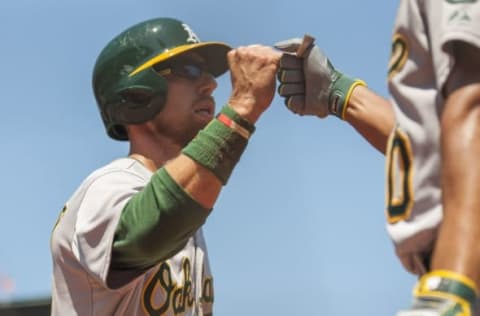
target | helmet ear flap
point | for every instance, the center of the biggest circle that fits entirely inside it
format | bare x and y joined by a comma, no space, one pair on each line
138,96
137,105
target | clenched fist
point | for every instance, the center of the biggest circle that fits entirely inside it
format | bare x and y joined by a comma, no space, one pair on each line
253,73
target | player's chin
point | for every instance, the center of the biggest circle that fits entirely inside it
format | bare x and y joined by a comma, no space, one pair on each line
196,126
200,123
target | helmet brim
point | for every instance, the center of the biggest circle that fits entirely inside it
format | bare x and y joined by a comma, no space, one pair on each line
214,53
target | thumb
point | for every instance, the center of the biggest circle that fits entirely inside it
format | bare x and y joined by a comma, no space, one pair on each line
289,46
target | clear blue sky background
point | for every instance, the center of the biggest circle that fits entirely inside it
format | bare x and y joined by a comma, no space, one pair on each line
300,228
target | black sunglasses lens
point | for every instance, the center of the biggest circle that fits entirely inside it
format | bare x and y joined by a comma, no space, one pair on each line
192,71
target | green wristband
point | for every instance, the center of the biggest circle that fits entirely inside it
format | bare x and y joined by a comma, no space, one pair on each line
340,94
218,147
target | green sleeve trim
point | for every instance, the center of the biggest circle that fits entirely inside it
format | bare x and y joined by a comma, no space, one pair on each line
454,287
155,224
459,289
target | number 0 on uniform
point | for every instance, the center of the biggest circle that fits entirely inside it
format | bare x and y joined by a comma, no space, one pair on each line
399,167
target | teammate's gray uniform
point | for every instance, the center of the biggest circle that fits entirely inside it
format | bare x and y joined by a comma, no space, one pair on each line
420,65
182,285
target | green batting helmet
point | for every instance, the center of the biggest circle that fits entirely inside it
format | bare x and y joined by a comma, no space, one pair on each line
127,89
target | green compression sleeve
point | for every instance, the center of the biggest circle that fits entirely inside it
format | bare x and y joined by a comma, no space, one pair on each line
155,224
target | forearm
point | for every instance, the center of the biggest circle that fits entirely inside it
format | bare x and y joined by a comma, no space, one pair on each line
199,182
371,115
460,144
158,221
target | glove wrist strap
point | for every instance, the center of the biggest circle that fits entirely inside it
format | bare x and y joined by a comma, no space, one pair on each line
446,284
342,89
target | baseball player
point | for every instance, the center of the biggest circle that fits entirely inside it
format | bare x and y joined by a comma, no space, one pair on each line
129,240
432,146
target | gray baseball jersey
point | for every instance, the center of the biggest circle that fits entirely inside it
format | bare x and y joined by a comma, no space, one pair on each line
81,246
420,64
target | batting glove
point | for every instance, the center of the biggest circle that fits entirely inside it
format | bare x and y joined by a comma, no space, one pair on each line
442,293
310,83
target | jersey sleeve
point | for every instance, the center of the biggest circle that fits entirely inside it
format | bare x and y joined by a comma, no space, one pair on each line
97,218
450,21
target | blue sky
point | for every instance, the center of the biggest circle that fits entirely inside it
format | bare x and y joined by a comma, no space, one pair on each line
300,228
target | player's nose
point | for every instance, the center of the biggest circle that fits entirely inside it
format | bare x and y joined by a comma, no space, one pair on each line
207,84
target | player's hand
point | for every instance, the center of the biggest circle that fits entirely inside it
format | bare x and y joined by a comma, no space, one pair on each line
253,70
442,293
311,85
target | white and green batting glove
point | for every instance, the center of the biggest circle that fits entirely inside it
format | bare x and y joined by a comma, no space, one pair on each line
310,84
442,293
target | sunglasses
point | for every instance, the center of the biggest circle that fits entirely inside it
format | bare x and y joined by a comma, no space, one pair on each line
189,70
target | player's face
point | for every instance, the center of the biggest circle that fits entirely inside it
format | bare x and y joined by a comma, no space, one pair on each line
189,105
